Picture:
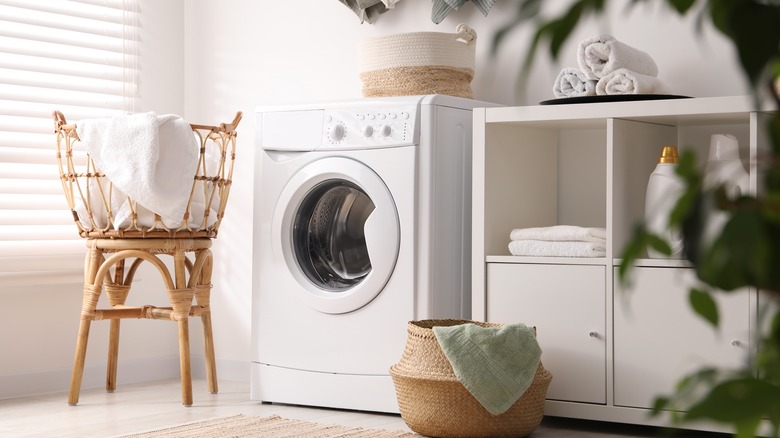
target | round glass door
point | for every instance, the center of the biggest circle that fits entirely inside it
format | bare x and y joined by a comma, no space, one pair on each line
337,228
328,235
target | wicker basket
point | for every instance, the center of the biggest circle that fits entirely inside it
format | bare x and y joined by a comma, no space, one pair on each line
434,403
417,63
94,201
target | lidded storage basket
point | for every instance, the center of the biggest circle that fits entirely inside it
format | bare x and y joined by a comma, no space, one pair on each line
415,63
434,403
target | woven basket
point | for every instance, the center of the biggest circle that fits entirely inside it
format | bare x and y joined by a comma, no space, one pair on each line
417,63
434,403
94,201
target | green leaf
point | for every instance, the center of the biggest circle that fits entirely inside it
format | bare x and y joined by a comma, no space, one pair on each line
755,30
563,26
681,6
659,244
703,304
633,250
740,401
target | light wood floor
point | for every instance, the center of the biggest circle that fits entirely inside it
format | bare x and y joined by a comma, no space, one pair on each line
141,407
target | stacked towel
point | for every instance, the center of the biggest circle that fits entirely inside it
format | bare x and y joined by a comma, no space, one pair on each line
601,55
150,158
495,364
613,67
558,241
625,81
572,82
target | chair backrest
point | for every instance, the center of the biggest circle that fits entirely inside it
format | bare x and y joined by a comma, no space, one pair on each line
102,211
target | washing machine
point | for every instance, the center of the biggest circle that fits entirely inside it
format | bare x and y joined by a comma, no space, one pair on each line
362,222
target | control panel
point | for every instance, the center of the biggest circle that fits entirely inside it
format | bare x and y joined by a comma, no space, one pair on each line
369,126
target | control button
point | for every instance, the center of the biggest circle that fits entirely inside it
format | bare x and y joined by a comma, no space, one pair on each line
361,117
404,115
386,131
371,117
337,133
368,131
382,117
328,118
393,116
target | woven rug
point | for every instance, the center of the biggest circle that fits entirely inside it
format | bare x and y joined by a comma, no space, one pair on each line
239,426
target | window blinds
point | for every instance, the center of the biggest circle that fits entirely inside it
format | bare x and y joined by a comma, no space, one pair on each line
75,56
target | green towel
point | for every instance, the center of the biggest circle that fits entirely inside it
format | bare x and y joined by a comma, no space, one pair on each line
495,364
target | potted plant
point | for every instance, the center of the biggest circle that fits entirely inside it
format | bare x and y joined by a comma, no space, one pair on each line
746,253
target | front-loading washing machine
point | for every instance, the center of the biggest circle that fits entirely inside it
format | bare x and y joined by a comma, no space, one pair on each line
361,223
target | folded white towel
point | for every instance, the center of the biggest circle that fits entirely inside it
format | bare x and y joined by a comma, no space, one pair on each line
625,81
541,248
150,158
600,55
560,233
572,82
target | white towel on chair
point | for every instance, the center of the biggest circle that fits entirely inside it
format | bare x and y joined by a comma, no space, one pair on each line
600,55
150,158
541,248
572,82
625,81
560,233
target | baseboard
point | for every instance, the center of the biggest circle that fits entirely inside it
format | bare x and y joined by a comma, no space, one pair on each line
130,371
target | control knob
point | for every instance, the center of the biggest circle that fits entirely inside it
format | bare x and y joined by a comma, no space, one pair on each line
337,133
386,131
368,131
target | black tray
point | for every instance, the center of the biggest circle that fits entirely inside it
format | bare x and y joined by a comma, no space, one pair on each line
611,98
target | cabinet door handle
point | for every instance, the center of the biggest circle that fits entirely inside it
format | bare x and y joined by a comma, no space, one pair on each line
736,343
593,334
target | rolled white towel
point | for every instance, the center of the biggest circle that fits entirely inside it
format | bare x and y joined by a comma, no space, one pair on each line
625,81
560,233
572,82
600,55
539,248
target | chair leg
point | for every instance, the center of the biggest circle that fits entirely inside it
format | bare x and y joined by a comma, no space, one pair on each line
181,302
117,295
184,362
203,298
211,365
78,363
90,297
113,355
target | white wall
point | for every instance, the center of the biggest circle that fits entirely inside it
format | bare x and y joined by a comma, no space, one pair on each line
206,59
241,54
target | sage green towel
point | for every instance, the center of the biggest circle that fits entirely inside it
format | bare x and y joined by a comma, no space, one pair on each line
495,364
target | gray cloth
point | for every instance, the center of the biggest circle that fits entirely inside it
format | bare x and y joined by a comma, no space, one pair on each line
443,7
366,10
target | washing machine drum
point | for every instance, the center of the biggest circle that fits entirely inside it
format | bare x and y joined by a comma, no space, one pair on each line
337,227
329,235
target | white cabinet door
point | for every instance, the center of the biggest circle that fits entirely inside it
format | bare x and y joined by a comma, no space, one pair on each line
567,306
658,339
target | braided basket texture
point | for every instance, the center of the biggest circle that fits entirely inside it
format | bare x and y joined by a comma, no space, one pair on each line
434,403
417,63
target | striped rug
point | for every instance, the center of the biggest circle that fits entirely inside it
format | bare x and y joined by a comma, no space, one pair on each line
239,426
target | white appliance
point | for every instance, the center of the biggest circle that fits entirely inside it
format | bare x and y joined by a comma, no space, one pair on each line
362,222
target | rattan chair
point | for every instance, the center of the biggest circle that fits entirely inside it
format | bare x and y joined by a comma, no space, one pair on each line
114,252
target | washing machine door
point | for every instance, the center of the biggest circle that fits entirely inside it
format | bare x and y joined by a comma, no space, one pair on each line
337,227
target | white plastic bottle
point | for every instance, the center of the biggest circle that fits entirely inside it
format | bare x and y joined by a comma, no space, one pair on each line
725,168
663,190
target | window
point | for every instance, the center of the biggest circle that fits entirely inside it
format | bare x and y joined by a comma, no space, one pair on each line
75,56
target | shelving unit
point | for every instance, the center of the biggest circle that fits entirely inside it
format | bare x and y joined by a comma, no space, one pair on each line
610,349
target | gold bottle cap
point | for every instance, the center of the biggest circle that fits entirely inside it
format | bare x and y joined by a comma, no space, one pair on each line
669,155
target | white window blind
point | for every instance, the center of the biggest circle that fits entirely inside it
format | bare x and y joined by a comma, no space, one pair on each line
75,56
